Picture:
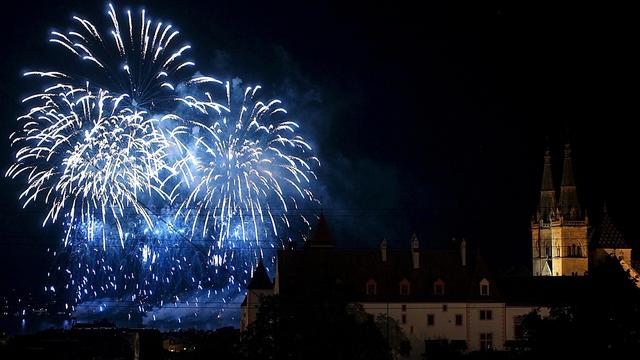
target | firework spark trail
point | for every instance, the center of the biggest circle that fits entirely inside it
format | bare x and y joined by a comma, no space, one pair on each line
162,189
249,160
89,158
147,67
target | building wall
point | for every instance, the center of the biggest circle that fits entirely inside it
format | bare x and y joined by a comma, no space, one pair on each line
564,236
444,326
249,312
542,240
535,249
495,326
558,238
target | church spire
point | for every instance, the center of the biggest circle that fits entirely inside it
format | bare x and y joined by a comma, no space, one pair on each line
547,192
569,205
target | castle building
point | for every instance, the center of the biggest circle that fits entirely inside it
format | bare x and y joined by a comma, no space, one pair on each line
439,298
450,298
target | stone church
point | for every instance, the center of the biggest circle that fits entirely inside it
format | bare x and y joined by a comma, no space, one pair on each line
563,242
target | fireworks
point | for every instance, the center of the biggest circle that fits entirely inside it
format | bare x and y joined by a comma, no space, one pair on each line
137,57
252,167
165,190
88,158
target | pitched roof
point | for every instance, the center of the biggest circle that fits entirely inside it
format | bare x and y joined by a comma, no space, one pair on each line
606,235
322,236
310,273
260,279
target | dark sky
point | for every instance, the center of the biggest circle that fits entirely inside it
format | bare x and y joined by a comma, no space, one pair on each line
430,119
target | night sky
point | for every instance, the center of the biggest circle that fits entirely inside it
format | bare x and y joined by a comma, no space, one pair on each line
429,119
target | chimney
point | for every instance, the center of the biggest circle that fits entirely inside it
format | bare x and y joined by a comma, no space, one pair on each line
415,252
463,251
383,250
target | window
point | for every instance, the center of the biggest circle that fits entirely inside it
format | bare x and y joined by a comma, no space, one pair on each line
484,287
579,254
445,307
372,287
430,319
574,251
404,318
458,319
438,287
486,315
486,341
404,307
518,332
405,287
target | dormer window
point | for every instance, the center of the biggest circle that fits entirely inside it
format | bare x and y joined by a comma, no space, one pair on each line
372,287
484,287
438,287
405,287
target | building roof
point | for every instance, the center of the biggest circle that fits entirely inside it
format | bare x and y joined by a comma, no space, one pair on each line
606,235
348,271
260,279
322,237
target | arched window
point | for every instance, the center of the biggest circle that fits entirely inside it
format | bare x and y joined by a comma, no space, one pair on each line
484,287
579,254
438,287
372,287
405,287
574,252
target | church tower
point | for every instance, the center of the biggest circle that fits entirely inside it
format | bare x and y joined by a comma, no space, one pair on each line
559,229
541,223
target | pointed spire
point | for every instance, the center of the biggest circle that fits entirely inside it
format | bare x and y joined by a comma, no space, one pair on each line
547,192
260,279
547,178
569,204
322,236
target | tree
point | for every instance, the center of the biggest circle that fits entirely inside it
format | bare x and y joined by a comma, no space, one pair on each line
393,334
312,330
606,322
